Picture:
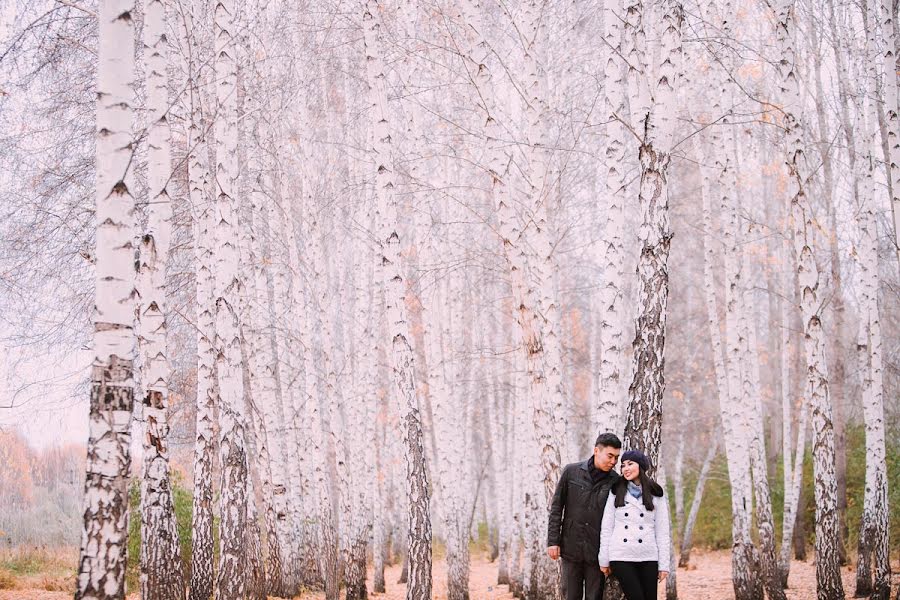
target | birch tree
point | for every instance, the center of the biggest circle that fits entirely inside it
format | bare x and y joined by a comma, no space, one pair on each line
743,557
231,576
201,581
653,117
160,562
402,357
545,388
794,453
874,530
827,533
101,568
684,557
610,388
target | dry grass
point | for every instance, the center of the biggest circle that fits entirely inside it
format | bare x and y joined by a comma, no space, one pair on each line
7,580
38,568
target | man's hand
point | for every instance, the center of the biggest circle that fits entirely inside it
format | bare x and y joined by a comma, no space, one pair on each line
662,575
605,571
553,552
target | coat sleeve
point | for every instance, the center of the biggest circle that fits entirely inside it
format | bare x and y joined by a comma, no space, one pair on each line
661,526
554,527
606,529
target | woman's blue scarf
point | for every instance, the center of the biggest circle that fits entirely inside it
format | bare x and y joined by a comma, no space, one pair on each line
634,489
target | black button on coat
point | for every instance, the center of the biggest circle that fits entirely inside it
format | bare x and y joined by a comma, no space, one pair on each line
577,511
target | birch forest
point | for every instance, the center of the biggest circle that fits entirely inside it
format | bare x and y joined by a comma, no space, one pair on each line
318,298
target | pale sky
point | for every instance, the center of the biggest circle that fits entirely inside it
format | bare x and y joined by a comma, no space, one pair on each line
44,398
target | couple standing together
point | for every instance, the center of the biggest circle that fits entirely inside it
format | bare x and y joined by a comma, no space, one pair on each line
601,522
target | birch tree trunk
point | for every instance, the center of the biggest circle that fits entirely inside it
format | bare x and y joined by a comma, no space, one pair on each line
753,412
231,576
544,393
441,312
875,527
738,436
793,467
201,583
656,126
101,567
610,387
744,569
874,530
402,356
828,578
885,12
362,413
316,374
380,533
540,189
261,371
162,577
688,531
838,370
295,378
678,475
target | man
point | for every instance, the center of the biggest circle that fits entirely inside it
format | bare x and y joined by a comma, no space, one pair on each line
575,515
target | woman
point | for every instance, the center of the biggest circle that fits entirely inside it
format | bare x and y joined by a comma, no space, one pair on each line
634,537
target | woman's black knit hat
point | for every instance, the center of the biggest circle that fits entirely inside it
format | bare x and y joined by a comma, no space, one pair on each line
639,457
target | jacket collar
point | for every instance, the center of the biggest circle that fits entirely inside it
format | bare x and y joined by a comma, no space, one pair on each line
631,499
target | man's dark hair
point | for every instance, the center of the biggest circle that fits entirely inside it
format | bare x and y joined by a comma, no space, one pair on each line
608,439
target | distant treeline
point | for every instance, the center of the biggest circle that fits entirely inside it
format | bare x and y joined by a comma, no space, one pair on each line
40,492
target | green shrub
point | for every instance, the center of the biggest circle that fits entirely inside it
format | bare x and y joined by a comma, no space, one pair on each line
713,528
183,510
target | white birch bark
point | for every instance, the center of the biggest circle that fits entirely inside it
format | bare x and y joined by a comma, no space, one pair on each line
451,427
687,534
678,470
162,577
261,371
306,422
885,15
610,384
540,186
316,375
875,527
544,396
744,572
745,560
201,583
362,412
231,577
752,395
101,568
288,297
655,126
380,526
402,356
794,453
828,578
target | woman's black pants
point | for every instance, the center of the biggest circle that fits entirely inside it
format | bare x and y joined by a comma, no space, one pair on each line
638,579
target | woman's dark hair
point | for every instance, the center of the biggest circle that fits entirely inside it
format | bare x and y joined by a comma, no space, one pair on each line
647,485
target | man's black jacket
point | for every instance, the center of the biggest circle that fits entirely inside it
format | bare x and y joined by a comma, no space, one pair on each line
577,510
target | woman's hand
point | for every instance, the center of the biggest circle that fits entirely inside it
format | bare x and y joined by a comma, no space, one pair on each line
605,571
662,575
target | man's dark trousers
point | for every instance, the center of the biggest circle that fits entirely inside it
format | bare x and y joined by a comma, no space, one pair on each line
573,573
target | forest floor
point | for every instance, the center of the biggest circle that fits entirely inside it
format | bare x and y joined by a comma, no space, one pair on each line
708,578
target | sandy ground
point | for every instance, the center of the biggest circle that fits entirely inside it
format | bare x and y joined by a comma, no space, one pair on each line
708,578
